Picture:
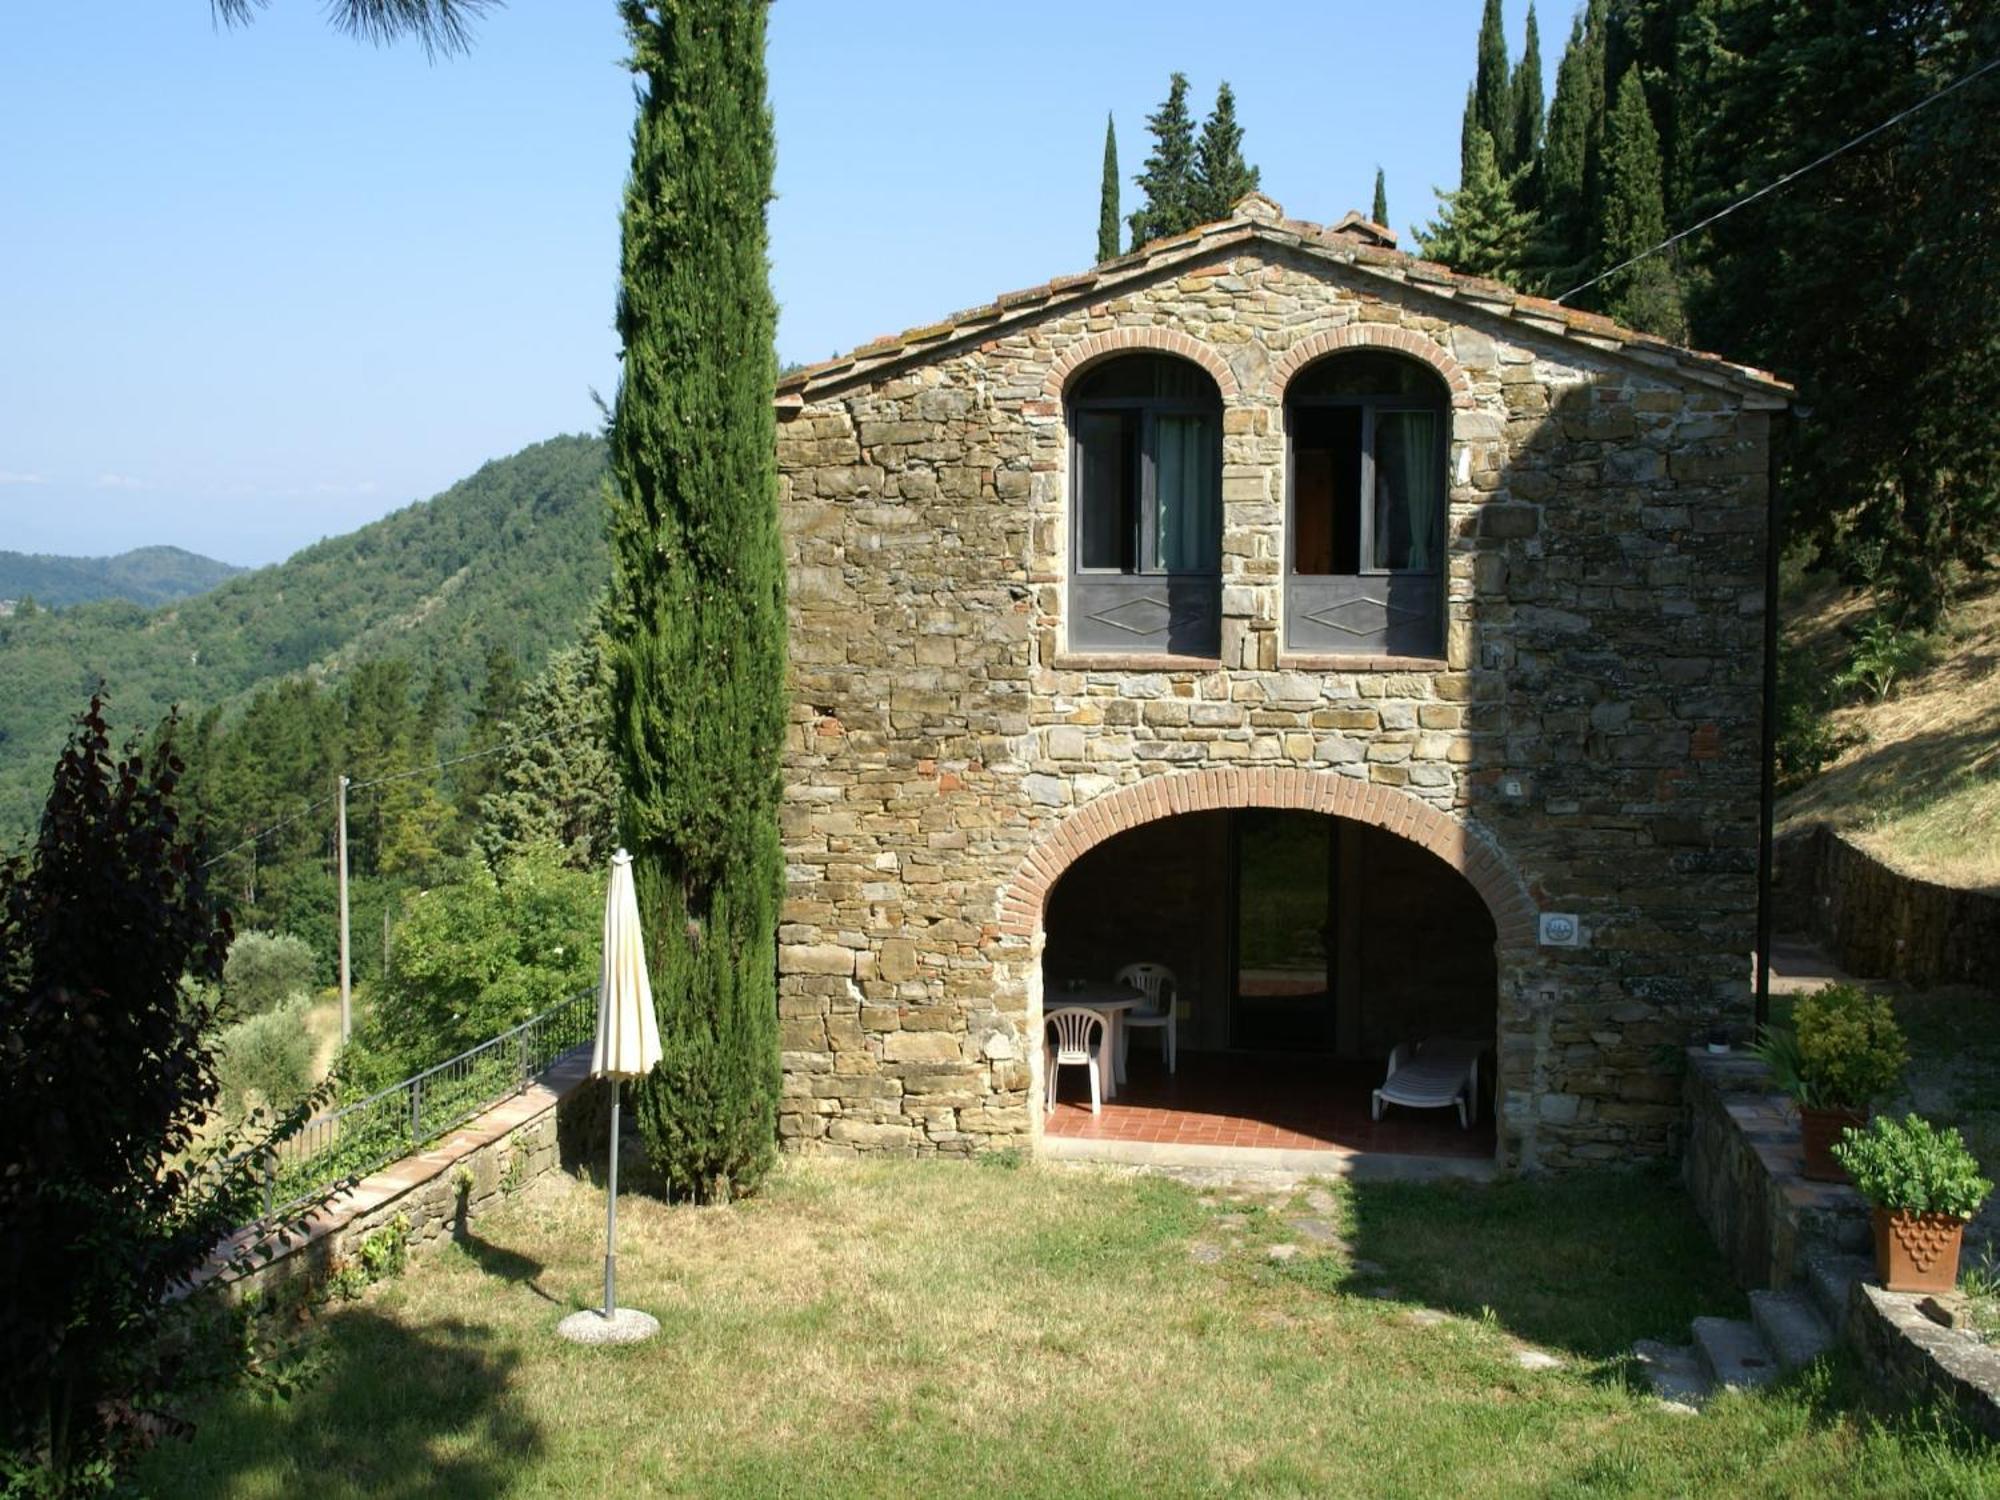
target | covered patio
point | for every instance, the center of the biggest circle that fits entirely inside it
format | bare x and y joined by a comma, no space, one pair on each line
1304,948
1261,1102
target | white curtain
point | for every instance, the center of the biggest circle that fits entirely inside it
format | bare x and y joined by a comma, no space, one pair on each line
1188,506
1409,490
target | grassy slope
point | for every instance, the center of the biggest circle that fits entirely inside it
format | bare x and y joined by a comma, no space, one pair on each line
1918,784
956,1329
514,555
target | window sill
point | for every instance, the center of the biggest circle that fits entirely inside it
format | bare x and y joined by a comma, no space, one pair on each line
1302,661
1133,661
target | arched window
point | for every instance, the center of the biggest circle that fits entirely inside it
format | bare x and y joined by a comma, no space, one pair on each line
1366,513
1146,507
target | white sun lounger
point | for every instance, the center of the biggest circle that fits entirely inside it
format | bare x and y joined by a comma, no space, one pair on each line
1433,1075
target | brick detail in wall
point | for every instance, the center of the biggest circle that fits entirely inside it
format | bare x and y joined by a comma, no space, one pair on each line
1371,336
1124,340
1505,894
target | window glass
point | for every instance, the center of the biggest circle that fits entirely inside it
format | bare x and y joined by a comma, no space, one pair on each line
1145,377
1187,522
1326,490
1107,488
1409,488
1365,375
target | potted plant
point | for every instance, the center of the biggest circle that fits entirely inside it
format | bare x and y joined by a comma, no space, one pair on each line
1924,1185
1843,1050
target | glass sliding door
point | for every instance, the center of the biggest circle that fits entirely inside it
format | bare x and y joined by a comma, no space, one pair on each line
1285,889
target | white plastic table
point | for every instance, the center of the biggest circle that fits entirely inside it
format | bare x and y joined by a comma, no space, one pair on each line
1113,1000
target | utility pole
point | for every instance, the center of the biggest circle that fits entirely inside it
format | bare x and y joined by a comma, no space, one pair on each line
340,852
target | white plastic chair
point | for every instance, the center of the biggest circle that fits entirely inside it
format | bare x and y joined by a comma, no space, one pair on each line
1162,991
1073,1036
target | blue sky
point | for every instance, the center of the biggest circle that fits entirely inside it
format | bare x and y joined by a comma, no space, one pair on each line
262,286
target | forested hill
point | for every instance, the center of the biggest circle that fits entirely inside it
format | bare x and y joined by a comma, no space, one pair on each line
145,575
513,556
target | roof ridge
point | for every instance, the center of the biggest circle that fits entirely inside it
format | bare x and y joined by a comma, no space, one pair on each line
1258,217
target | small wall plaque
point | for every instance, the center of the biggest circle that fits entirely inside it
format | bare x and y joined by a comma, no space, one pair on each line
1561,929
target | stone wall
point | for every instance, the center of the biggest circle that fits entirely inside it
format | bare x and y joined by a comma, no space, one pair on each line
502,1149
1742,1166
947,755
1879,923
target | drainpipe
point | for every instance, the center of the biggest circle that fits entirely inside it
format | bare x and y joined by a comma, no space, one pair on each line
1767,787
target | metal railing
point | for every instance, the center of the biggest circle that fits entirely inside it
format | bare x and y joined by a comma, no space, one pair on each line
357,1138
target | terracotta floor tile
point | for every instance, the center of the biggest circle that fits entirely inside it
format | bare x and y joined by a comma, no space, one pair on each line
1240,1100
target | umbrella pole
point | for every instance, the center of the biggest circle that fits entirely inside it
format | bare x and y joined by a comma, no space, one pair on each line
611,1216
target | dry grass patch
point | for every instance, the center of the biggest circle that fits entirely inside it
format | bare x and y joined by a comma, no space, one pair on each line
1918,783
943,1328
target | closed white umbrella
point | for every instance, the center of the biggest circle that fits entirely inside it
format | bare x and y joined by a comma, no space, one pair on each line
627,1046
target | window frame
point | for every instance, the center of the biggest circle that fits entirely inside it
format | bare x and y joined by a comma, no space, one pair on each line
1145,611
1369,405
1149,408
1297,608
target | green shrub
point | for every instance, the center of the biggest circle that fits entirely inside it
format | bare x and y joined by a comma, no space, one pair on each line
1912,1166
269,1055
1851,1046
1844,1049
1883,653
1807,742
264,970
473,958
382,1253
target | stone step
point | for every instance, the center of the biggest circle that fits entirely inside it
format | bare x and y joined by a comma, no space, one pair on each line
1830,1279
1675,1373
1791,1324
1734,1353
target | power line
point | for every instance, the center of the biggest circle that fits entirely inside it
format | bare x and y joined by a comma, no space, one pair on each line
432,769
429,769
263,833
1771,187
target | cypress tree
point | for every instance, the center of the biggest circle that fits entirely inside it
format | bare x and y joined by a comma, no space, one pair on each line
1526,89
1468,132
499,695
1492,94
1168,177
1380,211
559,790
1570,154
1634,218
697,613
1480,230
1221,175
1107,197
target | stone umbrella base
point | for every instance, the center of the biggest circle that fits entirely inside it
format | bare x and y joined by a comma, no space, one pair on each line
626,1325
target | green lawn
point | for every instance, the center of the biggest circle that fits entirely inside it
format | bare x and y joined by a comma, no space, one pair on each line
952,1329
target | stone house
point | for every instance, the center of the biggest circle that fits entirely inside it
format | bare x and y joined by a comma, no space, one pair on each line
1379,648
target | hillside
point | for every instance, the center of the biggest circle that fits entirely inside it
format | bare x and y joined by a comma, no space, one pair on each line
1917,779
145,576
513,556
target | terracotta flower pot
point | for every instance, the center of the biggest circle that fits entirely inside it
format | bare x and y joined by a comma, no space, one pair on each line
1917,1252
1820,1129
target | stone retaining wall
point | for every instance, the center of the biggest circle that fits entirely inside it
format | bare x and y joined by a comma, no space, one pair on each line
1879,923
1741,1164
504,1148
1909,1353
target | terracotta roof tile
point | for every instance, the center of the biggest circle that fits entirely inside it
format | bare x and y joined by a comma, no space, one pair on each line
1258,218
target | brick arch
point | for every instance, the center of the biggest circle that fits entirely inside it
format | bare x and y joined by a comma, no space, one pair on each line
1371,336
1150,340
1458,845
